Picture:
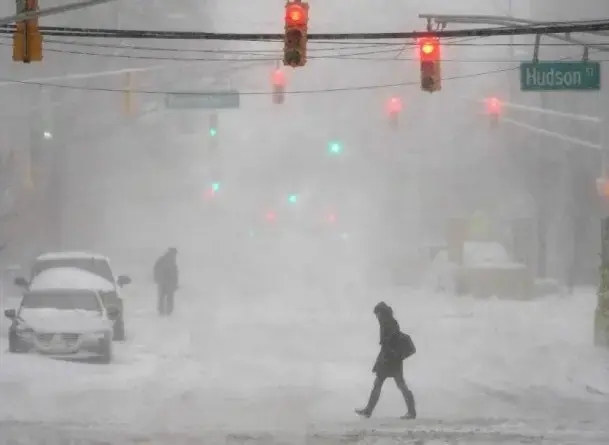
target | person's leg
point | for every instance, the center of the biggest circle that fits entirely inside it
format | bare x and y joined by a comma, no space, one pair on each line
170,296
160,300
375,394
408,396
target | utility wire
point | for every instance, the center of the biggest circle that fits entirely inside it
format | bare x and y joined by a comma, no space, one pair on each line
210,51
255,93
275,55
356,45
533,29
270,57
263,93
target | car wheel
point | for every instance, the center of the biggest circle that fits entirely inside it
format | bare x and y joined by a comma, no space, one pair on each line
106,352
119,329
14,344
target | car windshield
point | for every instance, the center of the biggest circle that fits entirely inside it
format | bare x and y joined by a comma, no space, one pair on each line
85,301
96,266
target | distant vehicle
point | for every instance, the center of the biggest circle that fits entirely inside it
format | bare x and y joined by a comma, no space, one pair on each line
63,323
80,270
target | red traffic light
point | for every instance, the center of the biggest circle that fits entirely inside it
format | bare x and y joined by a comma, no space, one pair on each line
429,48
295,14
602,186
331,218
394,105
278,78
270,216
493,106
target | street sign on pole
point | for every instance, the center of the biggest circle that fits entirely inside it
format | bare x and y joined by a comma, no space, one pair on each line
560,76
212,99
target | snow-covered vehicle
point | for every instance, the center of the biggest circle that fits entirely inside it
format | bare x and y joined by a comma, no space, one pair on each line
486,270
80,270
63,323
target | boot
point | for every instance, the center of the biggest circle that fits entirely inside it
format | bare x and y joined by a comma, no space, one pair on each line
365,412
410,405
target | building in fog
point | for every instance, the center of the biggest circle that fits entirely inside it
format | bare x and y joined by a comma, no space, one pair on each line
574,211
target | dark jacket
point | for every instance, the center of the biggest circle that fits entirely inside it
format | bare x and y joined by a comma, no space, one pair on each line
166,272
388,362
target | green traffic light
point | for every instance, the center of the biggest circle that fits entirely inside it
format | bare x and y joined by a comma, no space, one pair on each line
215,186
335,147
213,132
292,199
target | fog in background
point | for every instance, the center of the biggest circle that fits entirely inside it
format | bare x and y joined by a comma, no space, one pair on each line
134,185
274,324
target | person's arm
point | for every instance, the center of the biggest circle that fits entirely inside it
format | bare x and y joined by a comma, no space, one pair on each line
389,329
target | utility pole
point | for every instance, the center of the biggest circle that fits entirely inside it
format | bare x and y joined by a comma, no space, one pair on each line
512,54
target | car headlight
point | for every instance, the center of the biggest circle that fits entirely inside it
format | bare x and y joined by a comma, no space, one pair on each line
25,332
100,335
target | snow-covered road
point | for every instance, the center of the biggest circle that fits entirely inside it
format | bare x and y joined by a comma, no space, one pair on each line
293,369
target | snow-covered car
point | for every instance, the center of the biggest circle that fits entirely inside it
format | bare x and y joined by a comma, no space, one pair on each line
486,270
80,270
63,323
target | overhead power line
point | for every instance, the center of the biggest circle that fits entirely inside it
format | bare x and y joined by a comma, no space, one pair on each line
559,28
260,93
256,93
379,55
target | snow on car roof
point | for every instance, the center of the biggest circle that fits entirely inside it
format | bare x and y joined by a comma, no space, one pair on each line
70,278
61,290
68,255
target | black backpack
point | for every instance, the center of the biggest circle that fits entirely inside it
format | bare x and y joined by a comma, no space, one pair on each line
406,346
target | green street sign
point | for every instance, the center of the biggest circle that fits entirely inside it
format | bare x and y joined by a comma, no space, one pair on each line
207,100
560,76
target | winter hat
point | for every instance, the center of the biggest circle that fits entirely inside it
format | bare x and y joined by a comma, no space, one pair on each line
383,308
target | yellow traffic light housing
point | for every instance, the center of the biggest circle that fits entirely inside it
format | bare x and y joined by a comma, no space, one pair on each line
295,39
27,40
431,73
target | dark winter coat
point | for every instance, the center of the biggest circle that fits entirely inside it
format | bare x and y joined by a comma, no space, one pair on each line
388,362
166,272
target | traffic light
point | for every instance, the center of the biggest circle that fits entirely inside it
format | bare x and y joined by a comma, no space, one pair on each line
331,218
295,39
335,148
493,108
212,190
270,216
278,80
293,198
602,187
27,40
429,54
128,95
213,125
394,107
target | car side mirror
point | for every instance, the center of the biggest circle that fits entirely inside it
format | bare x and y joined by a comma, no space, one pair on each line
123,280
21,282
10,313
113,312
